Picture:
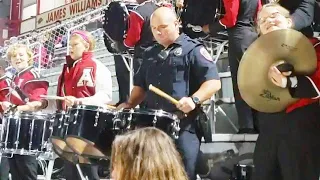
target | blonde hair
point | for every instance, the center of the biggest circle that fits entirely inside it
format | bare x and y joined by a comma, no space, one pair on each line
146,154
91,40
283,11
12,52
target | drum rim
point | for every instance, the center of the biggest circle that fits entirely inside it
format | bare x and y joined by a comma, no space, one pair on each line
87,107
26,114
158,112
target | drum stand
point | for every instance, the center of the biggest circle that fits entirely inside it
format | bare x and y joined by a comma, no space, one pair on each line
80,173
130,69
212,109
214,106
49,169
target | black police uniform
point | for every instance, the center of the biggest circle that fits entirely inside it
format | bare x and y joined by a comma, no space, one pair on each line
180,74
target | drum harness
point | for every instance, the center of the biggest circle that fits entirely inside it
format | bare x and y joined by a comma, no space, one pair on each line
23,96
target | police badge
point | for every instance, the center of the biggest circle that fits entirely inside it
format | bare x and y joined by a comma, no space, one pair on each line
178,51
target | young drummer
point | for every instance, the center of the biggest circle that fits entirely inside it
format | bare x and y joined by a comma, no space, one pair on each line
83,80
24,95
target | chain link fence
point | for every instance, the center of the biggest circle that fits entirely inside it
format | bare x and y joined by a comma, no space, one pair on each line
51,44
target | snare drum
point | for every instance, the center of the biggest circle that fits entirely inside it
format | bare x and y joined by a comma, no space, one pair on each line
91,131
25,133
59,131
160,119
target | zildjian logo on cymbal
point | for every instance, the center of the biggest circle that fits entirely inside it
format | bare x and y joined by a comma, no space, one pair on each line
267,94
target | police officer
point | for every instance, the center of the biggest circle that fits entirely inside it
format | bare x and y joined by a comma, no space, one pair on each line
239,22
182,68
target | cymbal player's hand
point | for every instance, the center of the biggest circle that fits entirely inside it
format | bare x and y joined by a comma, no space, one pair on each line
70,101
278,78
186,105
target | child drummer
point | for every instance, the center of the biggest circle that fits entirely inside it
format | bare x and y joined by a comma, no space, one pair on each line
83,80
24,95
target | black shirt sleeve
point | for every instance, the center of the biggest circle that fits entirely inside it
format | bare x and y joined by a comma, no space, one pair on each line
203,66
303,16
148,57
139,77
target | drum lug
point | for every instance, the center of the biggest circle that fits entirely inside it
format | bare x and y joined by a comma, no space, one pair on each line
96,119
130,117
175,128
76,114
157,113
154,122
30,145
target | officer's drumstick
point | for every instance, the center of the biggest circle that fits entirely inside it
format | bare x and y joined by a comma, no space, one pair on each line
111,107
163,94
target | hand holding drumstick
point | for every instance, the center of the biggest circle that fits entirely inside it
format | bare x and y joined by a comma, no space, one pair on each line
70,100
185,104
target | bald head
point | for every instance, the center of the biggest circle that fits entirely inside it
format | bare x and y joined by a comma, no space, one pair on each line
164,25
164,13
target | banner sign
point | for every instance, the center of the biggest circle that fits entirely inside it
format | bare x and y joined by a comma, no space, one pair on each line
68,11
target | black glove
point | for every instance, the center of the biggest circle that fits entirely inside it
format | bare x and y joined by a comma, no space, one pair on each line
120,47
286,67
215,28
109,43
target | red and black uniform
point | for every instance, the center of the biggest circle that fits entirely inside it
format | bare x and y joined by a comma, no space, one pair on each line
139,37
71,74
198,13
81,79
25,87
139,33
239,21
4,89
288,145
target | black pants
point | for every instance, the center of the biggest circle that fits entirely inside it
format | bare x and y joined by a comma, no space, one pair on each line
188,145
4,169
71,171
240,38
123,76
23,167
123,79
288,147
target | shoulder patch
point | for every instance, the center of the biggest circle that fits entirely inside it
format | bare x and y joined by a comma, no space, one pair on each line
205,54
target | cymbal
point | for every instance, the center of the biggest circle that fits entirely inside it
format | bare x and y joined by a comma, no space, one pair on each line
254,85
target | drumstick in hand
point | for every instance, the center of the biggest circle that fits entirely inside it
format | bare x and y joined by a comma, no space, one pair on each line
163,94
111,107
52,97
